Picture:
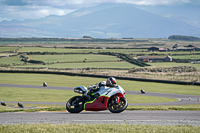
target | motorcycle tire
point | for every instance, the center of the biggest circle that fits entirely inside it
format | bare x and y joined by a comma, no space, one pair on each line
75,104
117,108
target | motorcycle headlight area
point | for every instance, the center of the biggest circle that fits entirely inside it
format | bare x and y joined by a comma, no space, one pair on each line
80,90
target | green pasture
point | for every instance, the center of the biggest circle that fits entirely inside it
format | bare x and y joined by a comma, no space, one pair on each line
74,61
72,81
6,54
52,60
11,60
8,49
173,64
68,50
192,57
126,51
105,65
56,50
72,58
96,128
39,43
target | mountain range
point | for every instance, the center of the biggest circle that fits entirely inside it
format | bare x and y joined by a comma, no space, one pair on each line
102,21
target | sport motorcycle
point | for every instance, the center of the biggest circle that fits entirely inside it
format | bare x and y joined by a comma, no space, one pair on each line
111,98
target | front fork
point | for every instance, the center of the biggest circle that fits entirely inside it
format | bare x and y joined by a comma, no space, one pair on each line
117,97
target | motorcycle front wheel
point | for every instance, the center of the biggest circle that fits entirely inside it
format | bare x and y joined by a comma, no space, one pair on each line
117,107
75,104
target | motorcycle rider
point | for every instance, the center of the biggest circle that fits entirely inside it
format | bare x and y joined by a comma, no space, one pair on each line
111,82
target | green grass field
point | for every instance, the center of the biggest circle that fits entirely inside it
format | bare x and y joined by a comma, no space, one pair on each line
72,58
192,57
105,65
44,95
75,61
72,81
173,64
11,61
126,51
96,128
8,49
91,57
67,50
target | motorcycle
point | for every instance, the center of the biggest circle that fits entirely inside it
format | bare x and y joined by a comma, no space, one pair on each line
111,98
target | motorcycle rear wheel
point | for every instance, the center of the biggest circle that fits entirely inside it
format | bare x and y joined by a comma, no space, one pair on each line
75,104
117,107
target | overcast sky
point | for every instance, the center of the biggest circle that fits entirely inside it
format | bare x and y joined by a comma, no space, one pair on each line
35,9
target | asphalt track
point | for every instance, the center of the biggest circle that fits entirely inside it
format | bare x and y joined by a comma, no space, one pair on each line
105,117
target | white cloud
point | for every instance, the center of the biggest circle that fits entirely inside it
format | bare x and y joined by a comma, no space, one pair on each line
30,12
26,9
152,2
76,3
86,3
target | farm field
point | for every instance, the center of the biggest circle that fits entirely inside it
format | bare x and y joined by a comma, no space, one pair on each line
8,49
134,52
85,65
173,64
61,58
73,58
98,61
70,50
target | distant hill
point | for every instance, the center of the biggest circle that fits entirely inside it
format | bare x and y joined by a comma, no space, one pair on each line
103,21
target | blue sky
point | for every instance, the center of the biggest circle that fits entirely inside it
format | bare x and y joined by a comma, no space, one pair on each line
35,9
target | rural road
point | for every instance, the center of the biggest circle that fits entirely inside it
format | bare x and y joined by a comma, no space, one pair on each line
105,117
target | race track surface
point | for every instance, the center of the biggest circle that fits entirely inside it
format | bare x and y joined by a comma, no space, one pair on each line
105,117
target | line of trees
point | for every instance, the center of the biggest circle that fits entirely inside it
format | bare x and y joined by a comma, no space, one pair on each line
85,39
184,38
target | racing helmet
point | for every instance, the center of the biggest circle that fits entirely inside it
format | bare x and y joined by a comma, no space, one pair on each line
111,81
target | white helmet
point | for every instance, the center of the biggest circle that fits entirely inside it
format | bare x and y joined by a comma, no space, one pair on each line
111,81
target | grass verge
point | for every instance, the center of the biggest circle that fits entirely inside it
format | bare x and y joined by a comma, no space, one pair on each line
35,110
190,107
195,107
95,128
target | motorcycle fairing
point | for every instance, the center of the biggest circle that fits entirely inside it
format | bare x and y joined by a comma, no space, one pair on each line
107,91
97,104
